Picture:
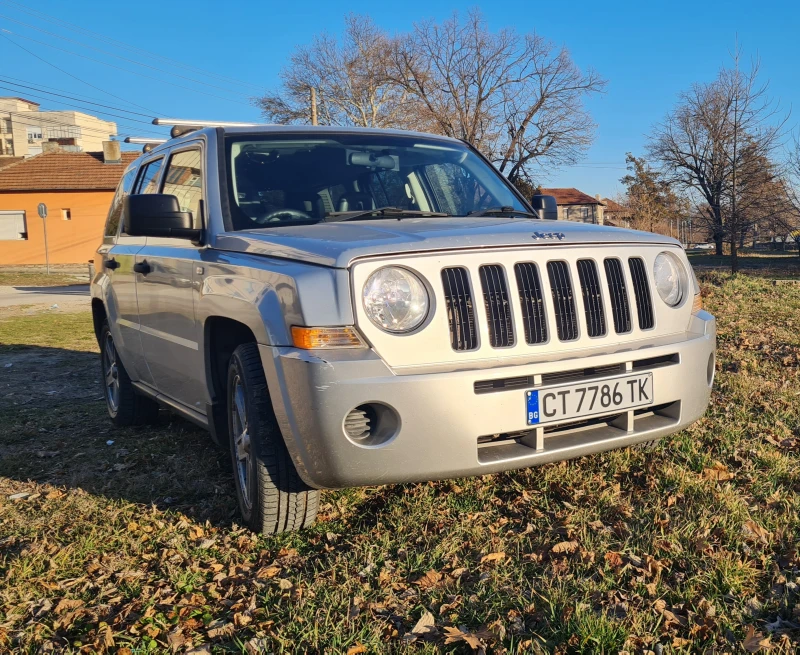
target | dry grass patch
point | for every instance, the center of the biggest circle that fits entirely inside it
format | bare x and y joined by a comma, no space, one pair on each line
691,547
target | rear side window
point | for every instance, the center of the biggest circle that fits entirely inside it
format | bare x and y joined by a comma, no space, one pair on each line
184,180
115,212
148,178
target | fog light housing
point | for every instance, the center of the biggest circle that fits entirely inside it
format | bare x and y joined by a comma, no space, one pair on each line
371,425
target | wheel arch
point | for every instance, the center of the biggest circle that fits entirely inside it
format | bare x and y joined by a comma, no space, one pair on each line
99,315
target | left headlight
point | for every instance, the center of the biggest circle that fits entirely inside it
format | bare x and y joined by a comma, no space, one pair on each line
395,299
670,278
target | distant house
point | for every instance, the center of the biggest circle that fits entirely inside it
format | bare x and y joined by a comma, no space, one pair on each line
574,205
77,188
615,214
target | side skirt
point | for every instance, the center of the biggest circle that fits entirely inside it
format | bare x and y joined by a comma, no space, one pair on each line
179,408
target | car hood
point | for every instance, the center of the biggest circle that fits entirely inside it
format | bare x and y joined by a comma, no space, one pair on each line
337,244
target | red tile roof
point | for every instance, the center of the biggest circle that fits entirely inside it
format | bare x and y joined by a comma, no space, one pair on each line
7,161
612,206
64,171
571,196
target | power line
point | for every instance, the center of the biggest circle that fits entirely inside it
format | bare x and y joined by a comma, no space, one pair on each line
106,52
105,63
10,40
87,102
120,44
36,95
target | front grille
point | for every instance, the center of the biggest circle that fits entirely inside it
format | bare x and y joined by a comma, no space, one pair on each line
620,308
592,298
641,289
460,308
532,302
498,309
563,300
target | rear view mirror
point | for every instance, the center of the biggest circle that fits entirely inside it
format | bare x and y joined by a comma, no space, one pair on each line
545,206
372,160
158,215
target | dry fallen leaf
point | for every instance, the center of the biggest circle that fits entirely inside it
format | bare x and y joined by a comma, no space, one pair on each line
425,626
614,559
356,649
755,532
474,639
429,580
491,557
718,472
565,547
755,642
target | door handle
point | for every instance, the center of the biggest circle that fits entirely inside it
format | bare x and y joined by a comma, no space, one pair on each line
112,263
142,267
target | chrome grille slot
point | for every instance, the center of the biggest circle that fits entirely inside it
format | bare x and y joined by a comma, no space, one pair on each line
641,289
498,309
619,296
460,308
592,298
563,300
532,302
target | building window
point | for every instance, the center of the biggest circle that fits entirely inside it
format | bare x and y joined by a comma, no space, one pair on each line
13,226
66,214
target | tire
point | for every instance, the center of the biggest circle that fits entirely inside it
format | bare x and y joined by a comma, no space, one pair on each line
272,496
125,406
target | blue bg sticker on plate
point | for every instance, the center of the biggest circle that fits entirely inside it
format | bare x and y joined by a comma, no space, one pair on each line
533,407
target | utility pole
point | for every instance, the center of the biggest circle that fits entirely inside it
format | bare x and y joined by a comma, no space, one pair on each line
314,106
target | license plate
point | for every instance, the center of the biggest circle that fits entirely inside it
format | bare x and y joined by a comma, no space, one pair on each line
572,401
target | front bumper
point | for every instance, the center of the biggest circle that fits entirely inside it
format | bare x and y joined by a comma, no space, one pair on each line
442,418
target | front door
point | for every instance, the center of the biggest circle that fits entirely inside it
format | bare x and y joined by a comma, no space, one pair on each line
165,272
117,257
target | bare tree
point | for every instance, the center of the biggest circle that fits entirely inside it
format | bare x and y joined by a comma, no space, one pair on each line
517,98
715,138
350,78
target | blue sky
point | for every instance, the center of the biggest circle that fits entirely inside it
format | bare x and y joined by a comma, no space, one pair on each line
648,52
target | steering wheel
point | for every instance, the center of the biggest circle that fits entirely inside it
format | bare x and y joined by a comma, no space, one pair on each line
282,215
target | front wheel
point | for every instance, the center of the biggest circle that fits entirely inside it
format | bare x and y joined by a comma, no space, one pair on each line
272,497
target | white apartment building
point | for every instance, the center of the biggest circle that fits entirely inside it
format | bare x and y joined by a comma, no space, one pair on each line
24,129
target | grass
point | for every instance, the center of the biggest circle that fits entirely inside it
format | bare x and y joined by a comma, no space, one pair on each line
17,279
128,539
758,263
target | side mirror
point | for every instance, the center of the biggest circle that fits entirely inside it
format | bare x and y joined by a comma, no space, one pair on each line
545,206
158,215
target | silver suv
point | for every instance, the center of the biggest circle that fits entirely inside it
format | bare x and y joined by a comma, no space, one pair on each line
344,307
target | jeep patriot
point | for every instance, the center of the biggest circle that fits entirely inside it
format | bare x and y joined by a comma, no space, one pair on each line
344,307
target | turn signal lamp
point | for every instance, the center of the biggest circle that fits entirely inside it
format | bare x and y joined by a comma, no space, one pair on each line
317,338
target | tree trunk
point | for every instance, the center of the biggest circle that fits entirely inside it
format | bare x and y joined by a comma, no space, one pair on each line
718,232
734,255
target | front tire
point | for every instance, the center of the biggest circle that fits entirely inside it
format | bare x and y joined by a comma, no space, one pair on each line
125,406
272,496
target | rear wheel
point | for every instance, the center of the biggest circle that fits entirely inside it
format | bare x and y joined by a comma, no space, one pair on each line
272,497
125,406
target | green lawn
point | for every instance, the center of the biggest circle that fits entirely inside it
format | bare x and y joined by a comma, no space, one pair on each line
134,544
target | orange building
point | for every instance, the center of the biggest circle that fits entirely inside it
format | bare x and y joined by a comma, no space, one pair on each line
77,188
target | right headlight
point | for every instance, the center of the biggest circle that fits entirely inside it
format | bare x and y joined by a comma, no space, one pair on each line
670,278
395,299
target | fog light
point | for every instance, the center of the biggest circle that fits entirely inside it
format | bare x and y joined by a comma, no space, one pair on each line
371,424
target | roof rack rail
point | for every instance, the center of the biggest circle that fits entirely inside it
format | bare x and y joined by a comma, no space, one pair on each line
182,126
148,143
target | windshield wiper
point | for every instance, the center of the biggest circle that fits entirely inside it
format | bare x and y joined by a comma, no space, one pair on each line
497,211
383,212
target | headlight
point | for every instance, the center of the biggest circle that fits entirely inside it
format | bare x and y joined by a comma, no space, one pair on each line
670,278
395,299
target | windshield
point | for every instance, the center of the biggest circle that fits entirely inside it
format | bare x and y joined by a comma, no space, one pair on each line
299,180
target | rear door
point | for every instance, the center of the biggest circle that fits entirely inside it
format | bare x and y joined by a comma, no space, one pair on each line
116,257
166,269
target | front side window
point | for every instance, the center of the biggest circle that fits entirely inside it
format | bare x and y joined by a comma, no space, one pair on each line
148,179
115,212
305,179
184,180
